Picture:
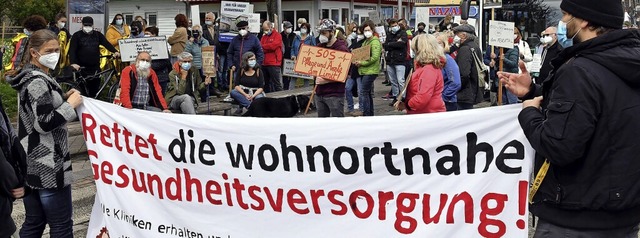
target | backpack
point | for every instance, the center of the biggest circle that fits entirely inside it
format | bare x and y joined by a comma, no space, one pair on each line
481,68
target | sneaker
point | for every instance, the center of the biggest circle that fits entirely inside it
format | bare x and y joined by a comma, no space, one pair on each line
228,98
387,97
238,112
356,114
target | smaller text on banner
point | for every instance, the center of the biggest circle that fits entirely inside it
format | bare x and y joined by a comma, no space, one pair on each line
156,46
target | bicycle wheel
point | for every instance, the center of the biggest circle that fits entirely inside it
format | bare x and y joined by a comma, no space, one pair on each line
112,91
106,78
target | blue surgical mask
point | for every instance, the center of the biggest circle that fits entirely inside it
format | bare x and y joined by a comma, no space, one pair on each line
562,35
252,63
186,65
395,29
119,22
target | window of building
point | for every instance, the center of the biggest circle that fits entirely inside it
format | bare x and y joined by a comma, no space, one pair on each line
302,14
152,18
335,16
263,16
346,17
289,16
128,18
325,13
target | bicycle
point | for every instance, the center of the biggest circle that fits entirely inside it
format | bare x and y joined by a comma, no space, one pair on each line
72,78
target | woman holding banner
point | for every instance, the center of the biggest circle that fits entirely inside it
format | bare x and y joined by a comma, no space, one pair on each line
44,113
424,89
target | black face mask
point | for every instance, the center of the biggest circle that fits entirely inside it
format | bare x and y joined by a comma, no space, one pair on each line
135,31
421,29
196,34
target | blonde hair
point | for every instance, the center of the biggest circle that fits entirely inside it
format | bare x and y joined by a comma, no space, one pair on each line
443,37
427,51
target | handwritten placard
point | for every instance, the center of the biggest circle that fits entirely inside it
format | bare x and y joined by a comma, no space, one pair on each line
536,64
209,60
361,54
501,34
156,46
325,63
289,70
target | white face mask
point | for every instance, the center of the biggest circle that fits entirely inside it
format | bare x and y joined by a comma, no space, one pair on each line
353,35
546,40
368,34
515,36
456,39
143,65
49,60
303,31
61,25
288,30
87,29
209,23
323,39
119,22
243,32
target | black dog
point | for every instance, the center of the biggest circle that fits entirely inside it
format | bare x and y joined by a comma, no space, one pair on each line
277,107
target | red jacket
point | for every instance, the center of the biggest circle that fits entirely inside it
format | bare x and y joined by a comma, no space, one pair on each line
126,84
424,93
272,47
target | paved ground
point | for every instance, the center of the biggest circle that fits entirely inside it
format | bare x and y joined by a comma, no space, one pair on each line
83,189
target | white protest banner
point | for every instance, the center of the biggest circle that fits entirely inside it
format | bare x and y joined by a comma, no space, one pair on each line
382,34
453,174
536,64
288,70
501,34
235,9
156,46
422,15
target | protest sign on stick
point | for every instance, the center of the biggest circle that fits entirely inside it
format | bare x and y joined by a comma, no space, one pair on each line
501,34
209,60
325,63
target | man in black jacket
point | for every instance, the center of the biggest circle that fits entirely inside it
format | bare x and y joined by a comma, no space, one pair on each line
396,49
470,93
551,50
13,171
287,39
84,51
585,128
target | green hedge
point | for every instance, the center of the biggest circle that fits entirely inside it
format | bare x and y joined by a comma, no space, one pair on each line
9,100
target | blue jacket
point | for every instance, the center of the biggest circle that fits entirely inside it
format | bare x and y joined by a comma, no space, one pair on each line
451,76
240,45
296,44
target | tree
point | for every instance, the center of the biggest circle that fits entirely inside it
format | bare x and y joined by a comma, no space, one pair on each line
17,11
272,9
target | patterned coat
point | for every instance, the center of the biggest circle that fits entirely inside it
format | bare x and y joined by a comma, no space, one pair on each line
42,128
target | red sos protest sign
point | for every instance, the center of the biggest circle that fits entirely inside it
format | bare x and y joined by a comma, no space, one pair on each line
325,63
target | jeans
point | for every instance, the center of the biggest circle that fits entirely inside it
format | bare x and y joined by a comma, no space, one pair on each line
545,229
508,97
330,106
396,76
272,78
242,100
223,81
349,95
366,94
185,103
464,106
48,206
452,106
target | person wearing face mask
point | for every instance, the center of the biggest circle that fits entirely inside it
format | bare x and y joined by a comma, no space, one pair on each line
250,83
551,49
185,85
354,80
194,47
59,27
396,49
583,123
139,87
421,29
117,30
60,24
178,40
523,47
369,69
242,43
287,39
301,21
329,94
31,24
210,30
272,45
303,39
470,93
84,51
44,113
137,30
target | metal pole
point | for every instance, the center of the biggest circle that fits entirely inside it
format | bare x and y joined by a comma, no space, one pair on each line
350,17
279,6
399,9
481,23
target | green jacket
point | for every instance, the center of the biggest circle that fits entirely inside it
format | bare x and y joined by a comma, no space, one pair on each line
177,86
371,66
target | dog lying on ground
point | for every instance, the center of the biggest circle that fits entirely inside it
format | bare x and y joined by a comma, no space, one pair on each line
277,107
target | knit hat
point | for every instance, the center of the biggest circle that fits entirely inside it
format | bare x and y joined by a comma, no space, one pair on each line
87,21
602,13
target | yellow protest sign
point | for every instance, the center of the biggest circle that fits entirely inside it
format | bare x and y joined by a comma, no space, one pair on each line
325,63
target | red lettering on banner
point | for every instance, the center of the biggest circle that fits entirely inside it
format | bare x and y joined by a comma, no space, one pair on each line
216,191
500,199
315,195
277,203
189,184
426,208
177,182
294,196
468,207
354,206
402,209
332,198
252,193
239,187
122,175
110,137
382,204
